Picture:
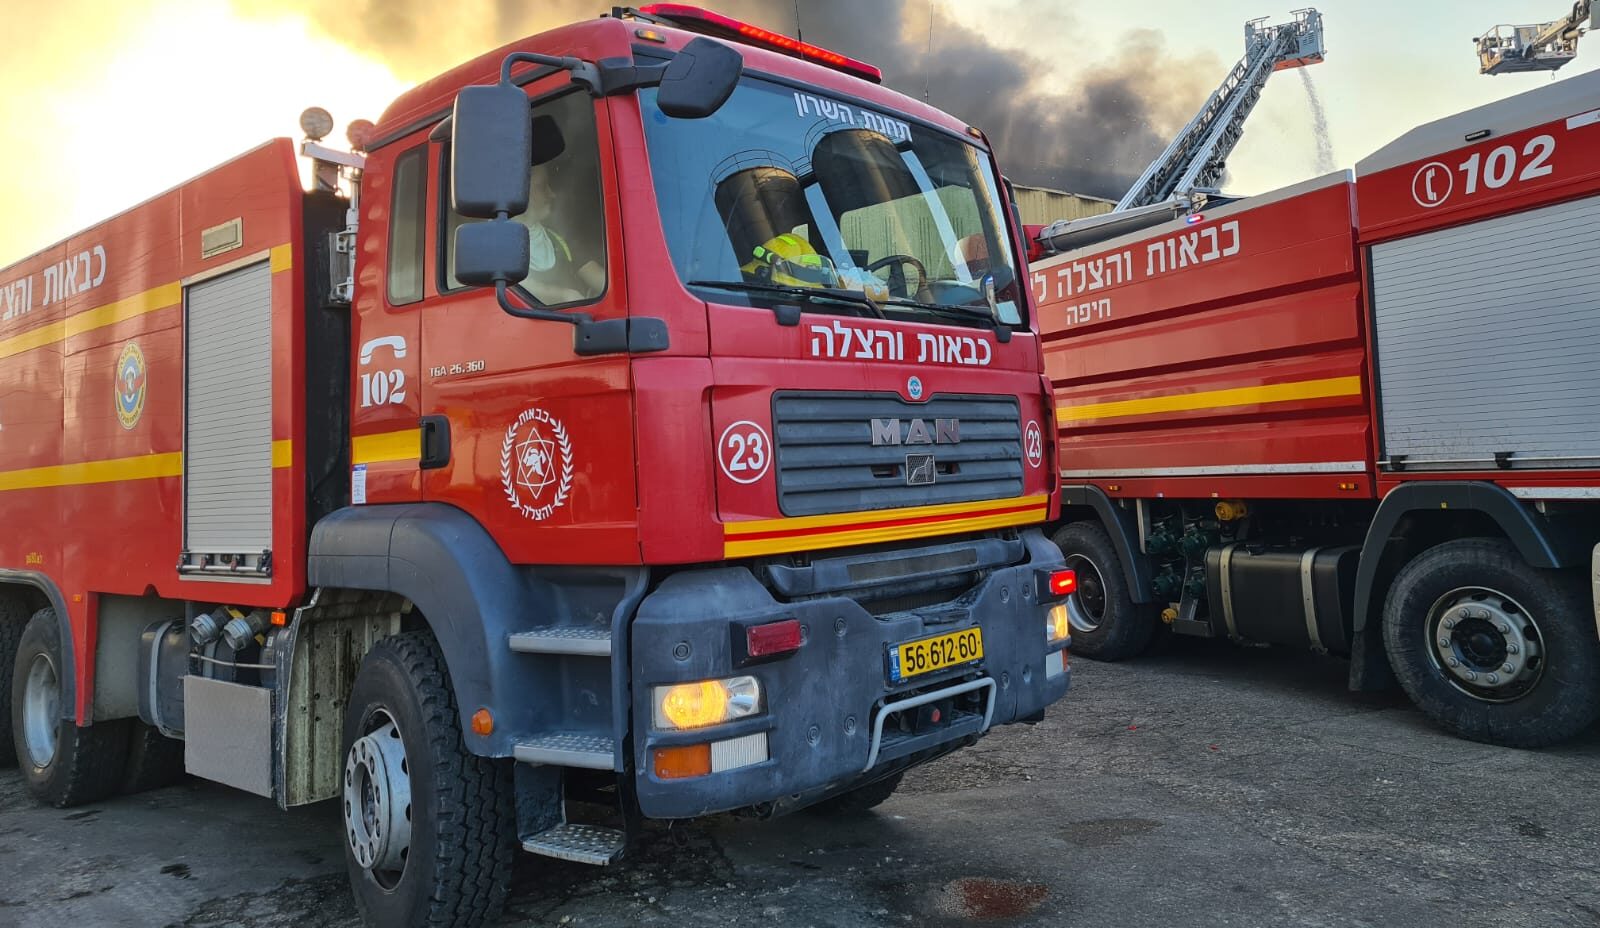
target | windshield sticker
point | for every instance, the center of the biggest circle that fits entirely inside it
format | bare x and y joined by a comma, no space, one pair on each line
847,341
806,104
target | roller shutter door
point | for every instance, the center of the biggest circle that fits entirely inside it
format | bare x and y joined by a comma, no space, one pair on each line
1488,340
227,460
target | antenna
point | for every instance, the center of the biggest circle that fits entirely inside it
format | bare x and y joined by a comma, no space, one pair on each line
927,60
799,36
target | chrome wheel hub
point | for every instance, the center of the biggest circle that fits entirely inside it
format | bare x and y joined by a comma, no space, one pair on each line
1486,644
377,801
1086,608
41,711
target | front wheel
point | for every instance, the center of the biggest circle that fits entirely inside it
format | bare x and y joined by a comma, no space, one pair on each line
1492,649
1106,623
430,829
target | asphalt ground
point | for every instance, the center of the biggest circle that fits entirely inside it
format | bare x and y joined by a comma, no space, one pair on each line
1205,785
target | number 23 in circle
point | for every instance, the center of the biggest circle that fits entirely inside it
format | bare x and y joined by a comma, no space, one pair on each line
744,452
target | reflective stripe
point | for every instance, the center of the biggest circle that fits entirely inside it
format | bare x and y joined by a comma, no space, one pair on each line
113,470
1207,470
1214,399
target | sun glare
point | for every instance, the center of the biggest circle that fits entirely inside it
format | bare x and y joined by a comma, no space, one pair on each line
189,85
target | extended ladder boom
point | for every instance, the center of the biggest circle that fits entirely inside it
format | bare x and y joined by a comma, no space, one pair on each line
1197,157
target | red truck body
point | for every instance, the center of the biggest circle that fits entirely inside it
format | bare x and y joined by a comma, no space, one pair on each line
1366,374
280,485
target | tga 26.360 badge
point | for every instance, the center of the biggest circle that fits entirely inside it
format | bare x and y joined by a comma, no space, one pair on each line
536,464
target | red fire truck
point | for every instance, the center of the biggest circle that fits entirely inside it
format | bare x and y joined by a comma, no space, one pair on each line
655,417
1358,415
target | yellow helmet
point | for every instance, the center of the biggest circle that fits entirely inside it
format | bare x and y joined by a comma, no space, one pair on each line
789,260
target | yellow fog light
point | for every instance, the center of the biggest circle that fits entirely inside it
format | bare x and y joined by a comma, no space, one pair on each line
706,702
1056,624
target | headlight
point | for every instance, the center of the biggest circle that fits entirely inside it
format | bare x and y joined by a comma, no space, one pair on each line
707,702
1056,625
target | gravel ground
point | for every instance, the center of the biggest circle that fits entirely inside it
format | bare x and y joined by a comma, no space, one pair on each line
1206,785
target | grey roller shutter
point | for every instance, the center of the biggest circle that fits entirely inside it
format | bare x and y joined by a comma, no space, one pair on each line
227,455
1487,338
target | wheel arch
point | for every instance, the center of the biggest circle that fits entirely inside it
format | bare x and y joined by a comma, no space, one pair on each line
41,592
1416,516
1088,502
468,594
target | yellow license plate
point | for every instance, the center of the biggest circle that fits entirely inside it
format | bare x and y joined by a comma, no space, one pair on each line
925,655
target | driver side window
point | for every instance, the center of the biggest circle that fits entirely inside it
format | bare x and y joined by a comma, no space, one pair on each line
566,211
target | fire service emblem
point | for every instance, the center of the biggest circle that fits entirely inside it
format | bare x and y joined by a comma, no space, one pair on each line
130,385
536,464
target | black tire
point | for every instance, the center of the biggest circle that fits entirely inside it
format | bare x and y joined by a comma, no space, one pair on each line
154,760
13,619
457,871
1107,624
1551,698
87,763
860,799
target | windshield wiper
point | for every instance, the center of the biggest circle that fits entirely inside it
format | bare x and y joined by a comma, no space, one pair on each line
850,297
1002,331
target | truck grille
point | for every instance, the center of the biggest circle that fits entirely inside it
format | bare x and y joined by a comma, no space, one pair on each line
827,461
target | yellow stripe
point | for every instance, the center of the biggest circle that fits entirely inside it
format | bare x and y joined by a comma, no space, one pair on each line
115,470
140,467
1214,399
281,258
733,547
404,445
37,338
847,519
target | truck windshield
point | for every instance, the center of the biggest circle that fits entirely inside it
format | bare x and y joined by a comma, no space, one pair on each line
785,194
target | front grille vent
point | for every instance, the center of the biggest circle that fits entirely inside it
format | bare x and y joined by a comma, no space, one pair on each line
827,461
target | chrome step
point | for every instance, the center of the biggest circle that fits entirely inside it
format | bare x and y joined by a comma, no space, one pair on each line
567,749
564,639
584,844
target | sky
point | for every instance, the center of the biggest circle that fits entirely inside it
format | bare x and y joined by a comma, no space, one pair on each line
104,104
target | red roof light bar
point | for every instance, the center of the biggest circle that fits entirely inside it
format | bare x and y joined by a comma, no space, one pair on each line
696,19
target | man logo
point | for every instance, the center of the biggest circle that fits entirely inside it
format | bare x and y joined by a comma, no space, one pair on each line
916,432
919,470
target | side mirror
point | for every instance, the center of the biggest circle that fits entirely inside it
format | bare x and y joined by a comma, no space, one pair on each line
699,79
491,146
489,254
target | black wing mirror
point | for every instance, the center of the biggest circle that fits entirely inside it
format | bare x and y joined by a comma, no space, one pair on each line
699,79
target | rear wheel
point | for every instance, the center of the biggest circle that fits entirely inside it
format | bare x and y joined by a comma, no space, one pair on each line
859,799
64,765
1492,649
1106,623
430,829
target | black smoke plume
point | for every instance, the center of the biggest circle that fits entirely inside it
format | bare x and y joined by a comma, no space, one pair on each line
1086,116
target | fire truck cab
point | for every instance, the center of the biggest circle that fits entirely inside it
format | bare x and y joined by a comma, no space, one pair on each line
653,414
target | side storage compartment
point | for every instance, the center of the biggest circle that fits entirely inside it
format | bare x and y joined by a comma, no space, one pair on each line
1291,596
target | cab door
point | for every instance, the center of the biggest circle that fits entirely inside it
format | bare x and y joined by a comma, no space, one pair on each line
519,431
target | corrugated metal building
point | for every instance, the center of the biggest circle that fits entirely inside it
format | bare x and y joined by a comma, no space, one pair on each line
1041,206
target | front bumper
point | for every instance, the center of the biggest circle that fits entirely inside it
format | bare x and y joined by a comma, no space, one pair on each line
829,707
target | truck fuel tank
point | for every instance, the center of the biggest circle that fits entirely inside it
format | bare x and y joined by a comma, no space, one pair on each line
1290,596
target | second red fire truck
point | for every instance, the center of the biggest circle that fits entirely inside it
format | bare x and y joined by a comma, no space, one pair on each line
1359,415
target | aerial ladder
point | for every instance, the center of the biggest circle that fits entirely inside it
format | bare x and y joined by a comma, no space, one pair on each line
1191,166
1536,47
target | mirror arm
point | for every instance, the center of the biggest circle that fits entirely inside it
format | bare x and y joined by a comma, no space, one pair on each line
503,290
619,75
583,72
